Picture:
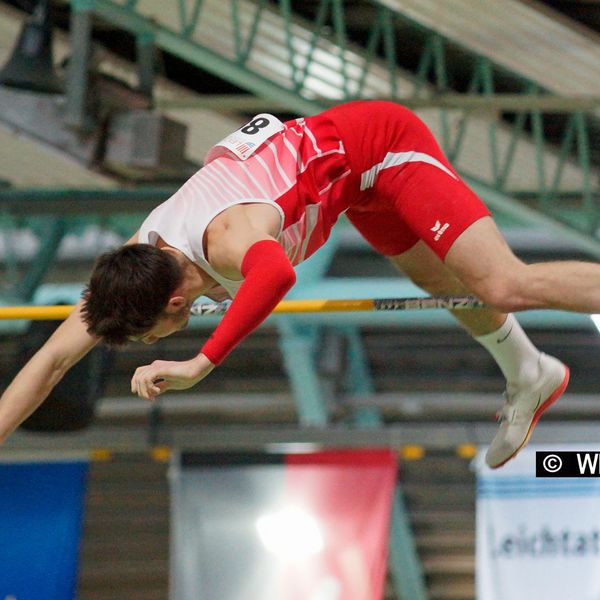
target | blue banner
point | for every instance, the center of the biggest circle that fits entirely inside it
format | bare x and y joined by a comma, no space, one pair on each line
41,510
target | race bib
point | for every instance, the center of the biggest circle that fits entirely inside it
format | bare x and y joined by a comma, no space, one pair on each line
243,142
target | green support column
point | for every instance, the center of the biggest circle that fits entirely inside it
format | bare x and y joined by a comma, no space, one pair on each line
298,346
298,343
44,259
359,380
146,63
405,565
76,113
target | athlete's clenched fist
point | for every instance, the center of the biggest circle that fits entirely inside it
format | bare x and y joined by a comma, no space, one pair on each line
150,381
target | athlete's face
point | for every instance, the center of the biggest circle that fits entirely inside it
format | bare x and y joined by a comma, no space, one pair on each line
164,328
166,325
177,313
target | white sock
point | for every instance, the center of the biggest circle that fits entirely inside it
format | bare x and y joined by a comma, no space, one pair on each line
513,351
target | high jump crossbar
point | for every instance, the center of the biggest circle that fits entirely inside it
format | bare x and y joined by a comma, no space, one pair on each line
41,313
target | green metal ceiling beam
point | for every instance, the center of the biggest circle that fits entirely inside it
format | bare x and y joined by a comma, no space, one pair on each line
489,102
197,54
82,202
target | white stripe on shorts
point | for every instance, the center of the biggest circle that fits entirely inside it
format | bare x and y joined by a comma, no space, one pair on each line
395,159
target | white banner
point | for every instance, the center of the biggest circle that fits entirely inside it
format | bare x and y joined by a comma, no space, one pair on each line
536,538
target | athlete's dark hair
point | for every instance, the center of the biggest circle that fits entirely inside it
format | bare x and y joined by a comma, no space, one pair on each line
128,291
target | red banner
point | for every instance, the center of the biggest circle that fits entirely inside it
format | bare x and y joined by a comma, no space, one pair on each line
332,535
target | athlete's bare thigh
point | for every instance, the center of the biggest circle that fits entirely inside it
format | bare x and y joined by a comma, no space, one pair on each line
480,256
427,270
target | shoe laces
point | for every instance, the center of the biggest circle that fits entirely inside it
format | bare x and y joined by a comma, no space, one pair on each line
508,412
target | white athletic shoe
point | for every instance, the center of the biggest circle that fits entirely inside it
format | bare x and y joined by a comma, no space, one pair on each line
523,408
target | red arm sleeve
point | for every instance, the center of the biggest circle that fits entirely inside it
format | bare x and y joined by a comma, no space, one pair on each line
268,275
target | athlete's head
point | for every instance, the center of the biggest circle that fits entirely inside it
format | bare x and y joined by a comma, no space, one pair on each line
131,293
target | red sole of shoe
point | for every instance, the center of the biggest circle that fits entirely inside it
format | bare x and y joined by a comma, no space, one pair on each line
556,394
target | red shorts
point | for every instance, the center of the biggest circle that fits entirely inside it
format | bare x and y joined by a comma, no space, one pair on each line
402,188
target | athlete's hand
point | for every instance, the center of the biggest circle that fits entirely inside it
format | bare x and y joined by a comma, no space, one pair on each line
150,381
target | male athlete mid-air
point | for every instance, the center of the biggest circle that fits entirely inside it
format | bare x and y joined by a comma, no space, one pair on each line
265,200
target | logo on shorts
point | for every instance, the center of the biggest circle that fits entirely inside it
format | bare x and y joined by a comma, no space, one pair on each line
439,229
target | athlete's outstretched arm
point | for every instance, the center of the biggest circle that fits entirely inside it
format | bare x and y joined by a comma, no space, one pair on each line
34,382
67,345
237,249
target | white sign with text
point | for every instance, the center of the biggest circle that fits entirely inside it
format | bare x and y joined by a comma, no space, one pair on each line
537,537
